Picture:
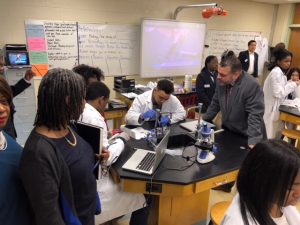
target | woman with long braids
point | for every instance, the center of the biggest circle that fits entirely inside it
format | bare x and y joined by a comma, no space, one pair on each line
57,164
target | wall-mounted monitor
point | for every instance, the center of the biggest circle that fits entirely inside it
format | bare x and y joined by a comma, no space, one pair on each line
17,58
171,48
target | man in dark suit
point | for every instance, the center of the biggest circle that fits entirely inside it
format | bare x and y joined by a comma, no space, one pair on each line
249,59
206,82
240,99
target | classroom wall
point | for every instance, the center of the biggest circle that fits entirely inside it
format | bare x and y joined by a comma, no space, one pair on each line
243,16
284,19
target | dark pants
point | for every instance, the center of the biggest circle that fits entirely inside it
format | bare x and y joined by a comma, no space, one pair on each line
140,216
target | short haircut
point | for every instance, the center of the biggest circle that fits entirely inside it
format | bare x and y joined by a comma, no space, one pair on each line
96,90
165,85
228,58
250,42
5,90
89,72
265,177
292,70
209,59
60,99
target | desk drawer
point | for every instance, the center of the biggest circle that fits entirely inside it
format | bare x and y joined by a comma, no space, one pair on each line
289,118
113,114
216,181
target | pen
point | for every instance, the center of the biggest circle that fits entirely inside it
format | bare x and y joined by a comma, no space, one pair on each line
96,164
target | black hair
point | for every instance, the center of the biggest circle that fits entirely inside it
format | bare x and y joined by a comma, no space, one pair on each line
165,85
265,177
279,54
89,72
291,71
5,90
96,90
250,42
208,60
228,58
278,46
60,99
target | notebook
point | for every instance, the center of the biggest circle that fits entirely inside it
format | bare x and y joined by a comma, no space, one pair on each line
192,125
145,161
93,135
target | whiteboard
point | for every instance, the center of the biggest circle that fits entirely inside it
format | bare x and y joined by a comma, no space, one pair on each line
113,48
217,41
171,48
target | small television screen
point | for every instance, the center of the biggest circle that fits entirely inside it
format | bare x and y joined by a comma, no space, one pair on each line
17,58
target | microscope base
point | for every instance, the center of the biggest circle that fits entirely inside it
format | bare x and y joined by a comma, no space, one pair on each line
205,156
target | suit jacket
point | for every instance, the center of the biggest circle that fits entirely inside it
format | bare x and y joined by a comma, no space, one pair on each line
20,86
205,88
244,58
244,110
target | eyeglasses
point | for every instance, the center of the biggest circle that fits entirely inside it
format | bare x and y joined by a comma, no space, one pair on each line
160,97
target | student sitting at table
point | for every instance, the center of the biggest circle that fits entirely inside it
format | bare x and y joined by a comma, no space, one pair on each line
268,187
89,74
144,106
114,201
293,75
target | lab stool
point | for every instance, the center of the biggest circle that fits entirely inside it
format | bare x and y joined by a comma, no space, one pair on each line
217,212
292,135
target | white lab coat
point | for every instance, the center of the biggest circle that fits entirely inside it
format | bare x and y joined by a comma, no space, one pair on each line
143,103
114,201
276,89
233,214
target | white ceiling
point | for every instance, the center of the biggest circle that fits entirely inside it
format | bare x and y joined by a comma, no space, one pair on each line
277,1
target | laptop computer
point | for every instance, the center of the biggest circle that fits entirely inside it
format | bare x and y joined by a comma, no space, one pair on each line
145,161
93,135
192,125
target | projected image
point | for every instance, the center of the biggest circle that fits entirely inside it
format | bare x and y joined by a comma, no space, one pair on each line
172,48
18,58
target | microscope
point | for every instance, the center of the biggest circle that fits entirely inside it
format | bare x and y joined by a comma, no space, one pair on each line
205,140
159,131
205,144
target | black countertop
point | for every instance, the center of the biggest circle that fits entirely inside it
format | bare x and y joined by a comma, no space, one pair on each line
290,110
232,151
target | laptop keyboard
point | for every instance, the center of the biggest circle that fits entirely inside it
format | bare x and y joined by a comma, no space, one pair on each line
147,162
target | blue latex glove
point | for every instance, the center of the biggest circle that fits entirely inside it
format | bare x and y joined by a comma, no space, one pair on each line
164,121
150,114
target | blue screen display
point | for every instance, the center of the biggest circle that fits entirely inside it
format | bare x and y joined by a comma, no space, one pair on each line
18,58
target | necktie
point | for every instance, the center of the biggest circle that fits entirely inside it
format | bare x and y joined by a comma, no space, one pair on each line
228,92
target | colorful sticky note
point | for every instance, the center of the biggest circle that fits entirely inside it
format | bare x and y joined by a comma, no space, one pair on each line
40,69
36,44
35,30
38,57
